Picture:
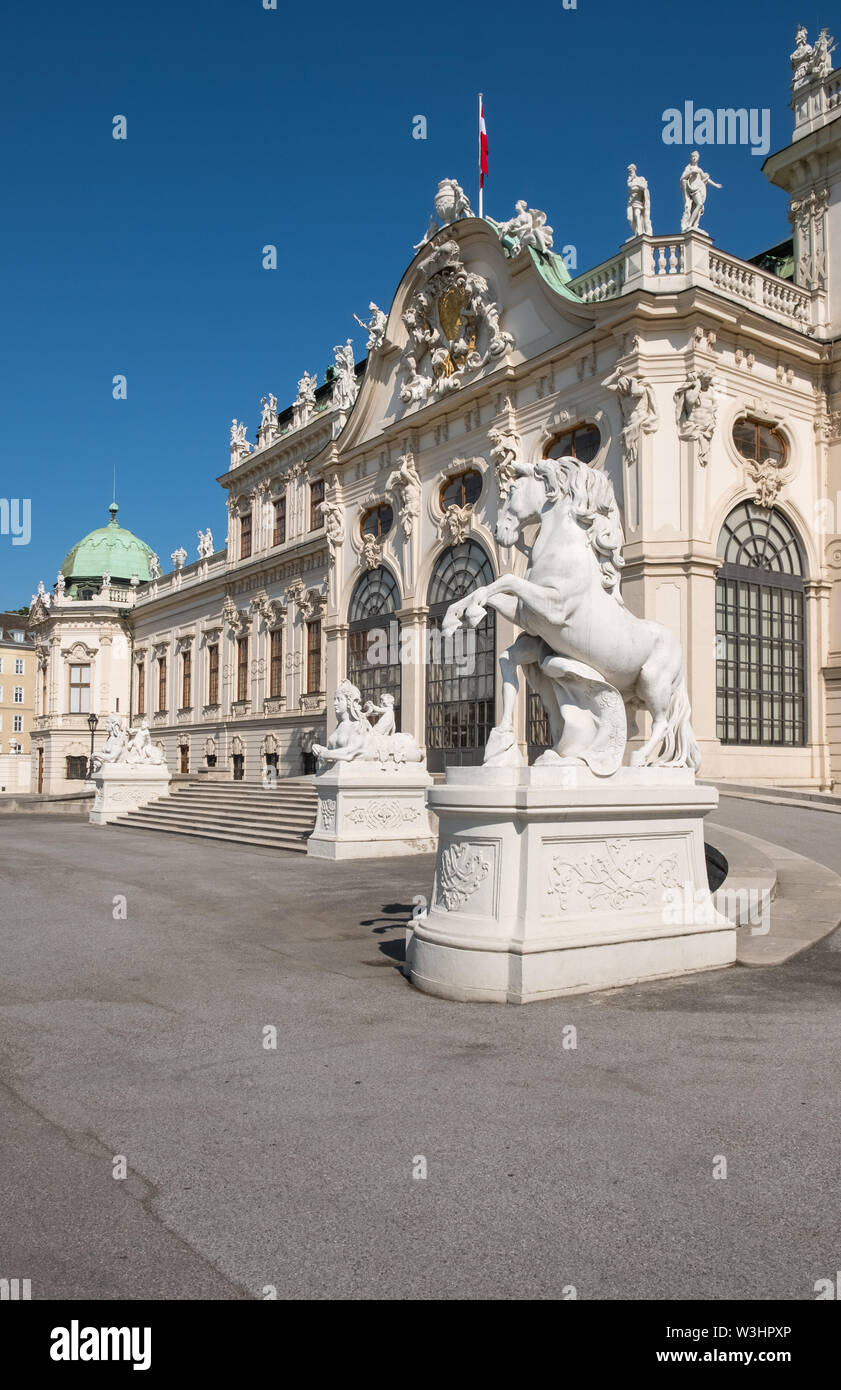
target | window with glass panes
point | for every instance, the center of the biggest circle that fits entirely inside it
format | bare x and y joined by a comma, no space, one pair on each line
374,638
186,679
276,662
462,490
213,674
279,534
759,442
378,521
582,442
245,536
242,668
161,683
313,657
460,693
316,499
760,630
80,689
141,687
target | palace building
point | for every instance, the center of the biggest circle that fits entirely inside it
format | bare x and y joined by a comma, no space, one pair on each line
706,386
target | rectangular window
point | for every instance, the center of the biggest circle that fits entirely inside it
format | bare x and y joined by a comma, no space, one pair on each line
18,636
18,694
213,675
161,683
17,724
276,666
77,769
80,689
187,680
19,666
316,499
313,657
141,687
1,665
44,689
242,668
279,521
245,537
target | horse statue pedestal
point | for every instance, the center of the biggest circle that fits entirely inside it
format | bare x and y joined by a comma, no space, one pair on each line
122,787
365,812
552,880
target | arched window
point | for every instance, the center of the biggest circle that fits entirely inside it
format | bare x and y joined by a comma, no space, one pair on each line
462,490
374,638
760,630
460,691
378,521
582,442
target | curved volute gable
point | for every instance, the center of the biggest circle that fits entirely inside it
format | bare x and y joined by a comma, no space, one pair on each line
518,303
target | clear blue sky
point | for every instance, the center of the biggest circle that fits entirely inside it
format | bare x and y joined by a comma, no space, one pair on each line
294,127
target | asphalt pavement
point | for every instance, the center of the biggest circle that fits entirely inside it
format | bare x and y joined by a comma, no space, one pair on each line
142,1030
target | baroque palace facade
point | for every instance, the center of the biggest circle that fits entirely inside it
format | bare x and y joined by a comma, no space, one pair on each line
707,386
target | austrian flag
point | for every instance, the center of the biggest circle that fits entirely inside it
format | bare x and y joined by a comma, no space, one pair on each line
483,144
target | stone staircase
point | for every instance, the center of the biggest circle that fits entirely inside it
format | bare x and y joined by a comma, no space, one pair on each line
245,813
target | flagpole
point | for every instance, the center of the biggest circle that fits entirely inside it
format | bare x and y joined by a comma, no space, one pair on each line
479,132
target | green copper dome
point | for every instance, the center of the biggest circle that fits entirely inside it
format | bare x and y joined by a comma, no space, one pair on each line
110,549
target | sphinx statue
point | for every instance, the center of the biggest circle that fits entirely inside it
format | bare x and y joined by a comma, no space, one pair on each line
356,739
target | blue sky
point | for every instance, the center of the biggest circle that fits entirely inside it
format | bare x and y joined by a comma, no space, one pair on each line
293,127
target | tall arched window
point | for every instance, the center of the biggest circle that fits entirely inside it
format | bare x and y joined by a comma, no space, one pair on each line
760,630
374,637
459,692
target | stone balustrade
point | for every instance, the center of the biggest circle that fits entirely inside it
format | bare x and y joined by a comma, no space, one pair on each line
669,264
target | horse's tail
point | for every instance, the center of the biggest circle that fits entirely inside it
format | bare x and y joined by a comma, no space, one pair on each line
680,747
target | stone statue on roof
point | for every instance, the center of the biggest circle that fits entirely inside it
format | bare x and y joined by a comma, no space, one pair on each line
693,186
375,326
528,227
639,203
451,204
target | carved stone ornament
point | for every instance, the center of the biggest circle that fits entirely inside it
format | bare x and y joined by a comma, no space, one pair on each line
236,620
617,876
456,523
407,485
462,869
372,552
451,205
639,409
505,447
695,411
453,327
309,602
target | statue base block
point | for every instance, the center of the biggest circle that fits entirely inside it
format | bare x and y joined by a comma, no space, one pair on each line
550,881
121,788
366,813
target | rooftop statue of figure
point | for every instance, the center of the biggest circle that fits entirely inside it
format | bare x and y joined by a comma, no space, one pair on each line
693,187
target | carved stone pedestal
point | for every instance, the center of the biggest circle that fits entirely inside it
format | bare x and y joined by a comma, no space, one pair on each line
551,881
121,788
365,813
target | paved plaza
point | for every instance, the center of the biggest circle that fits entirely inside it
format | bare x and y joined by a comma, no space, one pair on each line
547,1166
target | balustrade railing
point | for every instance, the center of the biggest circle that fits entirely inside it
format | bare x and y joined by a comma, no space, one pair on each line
678,262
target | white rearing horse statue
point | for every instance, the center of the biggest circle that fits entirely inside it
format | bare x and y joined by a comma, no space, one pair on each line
581,649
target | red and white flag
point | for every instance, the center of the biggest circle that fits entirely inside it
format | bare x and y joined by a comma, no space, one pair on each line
483,144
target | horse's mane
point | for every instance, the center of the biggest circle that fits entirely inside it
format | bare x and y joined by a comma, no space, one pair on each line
593,505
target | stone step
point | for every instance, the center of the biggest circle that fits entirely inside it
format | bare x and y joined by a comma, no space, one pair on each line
280,818
136,820
298,823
